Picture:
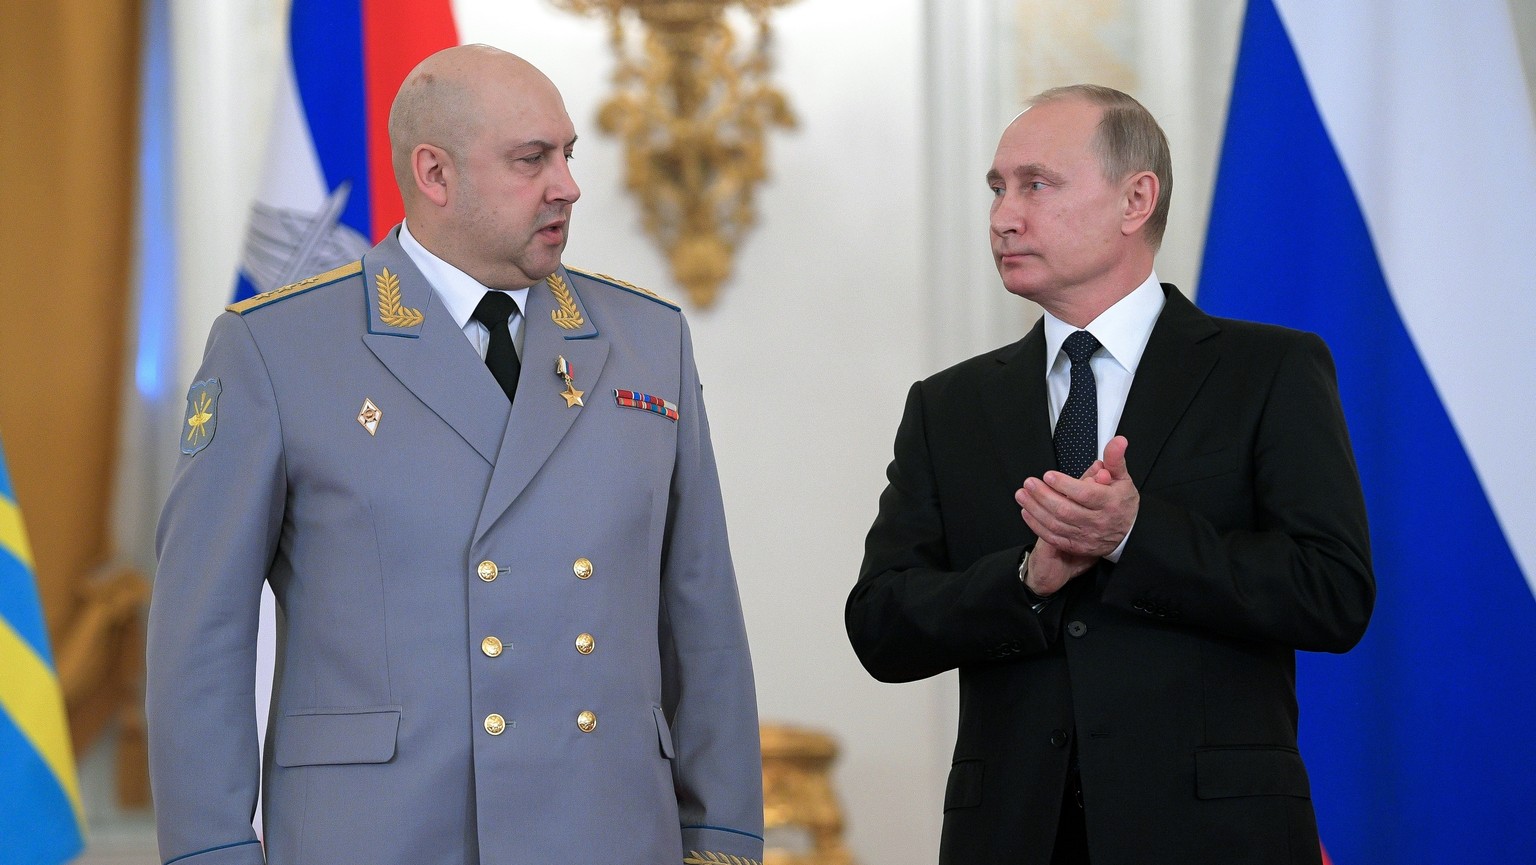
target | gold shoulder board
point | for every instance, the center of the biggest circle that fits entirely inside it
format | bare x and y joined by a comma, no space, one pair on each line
296,288
627,286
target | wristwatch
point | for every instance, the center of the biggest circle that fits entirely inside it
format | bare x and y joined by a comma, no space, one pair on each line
1036,602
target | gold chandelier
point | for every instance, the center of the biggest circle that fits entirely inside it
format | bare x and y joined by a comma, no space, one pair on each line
693,116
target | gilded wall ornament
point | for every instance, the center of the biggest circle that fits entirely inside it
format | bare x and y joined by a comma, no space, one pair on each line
693,113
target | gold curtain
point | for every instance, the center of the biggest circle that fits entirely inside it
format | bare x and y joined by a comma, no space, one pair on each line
68,132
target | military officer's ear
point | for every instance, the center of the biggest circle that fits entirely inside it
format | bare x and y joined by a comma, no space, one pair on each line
431,168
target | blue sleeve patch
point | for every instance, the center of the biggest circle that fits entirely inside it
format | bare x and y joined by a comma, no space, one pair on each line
202,415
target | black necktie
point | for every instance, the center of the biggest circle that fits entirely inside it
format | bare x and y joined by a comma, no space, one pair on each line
1077,429
500,357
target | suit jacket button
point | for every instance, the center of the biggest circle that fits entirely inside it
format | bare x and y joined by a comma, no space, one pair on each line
494,724
585,644
491,647
487,570
582,568
1077,629
1059,738
586,722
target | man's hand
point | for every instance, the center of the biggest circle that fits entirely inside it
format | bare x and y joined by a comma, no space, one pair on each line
1087,516
1049,569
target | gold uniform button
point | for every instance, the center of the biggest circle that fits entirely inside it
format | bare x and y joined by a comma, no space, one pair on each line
487,570
586,722
583,568
585,644
494,724
491,647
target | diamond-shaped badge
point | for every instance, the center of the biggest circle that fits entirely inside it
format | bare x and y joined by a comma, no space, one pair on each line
370,416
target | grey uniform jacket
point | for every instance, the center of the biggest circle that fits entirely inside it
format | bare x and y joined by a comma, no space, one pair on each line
506,635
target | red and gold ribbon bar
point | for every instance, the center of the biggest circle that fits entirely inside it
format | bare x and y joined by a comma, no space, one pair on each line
635,399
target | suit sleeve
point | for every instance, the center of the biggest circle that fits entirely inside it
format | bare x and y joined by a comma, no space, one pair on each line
1300,574
218,535
708,690
912,614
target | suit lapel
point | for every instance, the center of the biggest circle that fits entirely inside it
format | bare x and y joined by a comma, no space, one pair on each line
1016,408
540,417
1180,354
411,333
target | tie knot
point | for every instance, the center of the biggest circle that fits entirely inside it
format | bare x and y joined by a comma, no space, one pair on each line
494,309
1080,346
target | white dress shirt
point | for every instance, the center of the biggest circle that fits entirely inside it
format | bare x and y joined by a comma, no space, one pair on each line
1122,332
460,294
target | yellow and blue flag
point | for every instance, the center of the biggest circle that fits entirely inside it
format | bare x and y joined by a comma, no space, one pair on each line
42,821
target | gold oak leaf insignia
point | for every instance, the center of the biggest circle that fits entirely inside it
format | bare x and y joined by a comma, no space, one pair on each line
694,857
567,316
391,311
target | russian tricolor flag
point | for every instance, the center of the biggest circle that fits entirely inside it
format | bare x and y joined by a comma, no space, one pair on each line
328,192
1378,187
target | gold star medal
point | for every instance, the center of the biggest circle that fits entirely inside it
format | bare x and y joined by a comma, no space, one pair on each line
571,394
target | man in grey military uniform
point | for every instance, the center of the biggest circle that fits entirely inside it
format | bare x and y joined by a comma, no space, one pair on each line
509,629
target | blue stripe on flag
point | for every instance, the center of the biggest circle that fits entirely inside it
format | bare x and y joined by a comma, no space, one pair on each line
37,824
326,41
244,288
19,605
1418,741
37,820
18,593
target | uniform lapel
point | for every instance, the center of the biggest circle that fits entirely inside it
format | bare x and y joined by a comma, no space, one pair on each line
411,333
1016,408
555,327
1179,355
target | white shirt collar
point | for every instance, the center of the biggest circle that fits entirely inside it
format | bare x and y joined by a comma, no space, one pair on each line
458,290
1123,329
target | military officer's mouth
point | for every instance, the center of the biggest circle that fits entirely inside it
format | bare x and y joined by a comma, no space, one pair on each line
554,232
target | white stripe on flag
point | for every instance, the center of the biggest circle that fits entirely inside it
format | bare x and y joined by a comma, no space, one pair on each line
1427,106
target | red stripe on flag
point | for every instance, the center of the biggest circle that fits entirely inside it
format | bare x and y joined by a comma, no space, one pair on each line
1326,860
397,34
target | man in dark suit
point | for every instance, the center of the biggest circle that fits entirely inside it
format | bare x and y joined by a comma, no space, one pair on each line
1125,621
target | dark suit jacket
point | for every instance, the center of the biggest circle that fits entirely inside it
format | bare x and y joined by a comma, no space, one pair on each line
1174,669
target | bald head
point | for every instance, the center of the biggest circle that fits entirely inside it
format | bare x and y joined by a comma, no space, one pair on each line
443,101
480,142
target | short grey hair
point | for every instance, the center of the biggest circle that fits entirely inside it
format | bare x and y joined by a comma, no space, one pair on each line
1128,140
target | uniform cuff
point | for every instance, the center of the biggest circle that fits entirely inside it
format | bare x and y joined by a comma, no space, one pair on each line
721,845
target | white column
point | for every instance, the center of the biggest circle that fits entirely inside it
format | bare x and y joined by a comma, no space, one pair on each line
968,97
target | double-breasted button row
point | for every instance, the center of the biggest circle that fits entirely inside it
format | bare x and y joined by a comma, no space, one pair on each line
495,724
492,647
488,570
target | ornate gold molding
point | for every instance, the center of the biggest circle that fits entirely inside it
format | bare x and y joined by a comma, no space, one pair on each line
693,114
801,814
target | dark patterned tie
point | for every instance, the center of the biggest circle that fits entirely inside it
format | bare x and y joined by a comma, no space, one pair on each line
500,356
1077,430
